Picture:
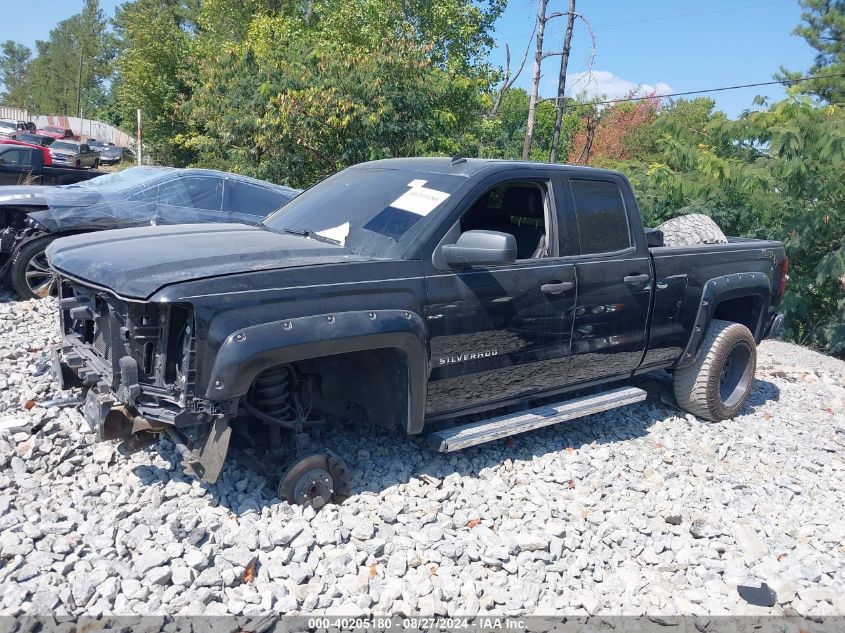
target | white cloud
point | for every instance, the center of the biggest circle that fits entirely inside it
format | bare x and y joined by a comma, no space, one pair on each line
603,83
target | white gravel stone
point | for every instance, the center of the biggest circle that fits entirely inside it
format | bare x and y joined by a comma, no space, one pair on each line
567,520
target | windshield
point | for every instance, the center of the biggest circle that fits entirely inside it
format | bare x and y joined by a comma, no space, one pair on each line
8,124
120,180
372,211
65,145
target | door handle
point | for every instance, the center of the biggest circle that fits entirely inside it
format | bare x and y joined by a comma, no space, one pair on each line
557,287
636,279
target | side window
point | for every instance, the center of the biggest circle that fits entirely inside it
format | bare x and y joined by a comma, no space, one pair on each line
248,199
16,157
84,149
601,216
515,207
195,192
205,192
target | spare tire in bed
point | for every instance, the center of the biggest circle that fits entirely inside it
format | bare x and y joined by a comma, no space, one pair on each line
692,229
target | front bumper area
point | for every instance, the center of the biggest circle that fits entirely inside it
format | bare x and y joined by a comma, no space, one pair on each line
201,438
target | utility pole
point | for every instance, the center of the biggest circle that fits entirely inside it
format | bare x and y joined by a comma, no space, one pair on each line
561,84
79,85
535,79
138,153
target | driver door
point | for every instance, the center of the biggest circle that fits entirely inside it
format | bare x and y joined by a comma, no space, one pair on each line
501,332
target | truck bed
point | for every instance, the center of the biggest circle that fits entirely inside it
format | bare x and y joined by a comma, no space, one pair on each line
680,274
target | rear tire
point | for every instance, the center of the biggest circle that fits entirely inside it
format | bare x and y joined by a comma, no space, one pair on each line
31,277
691,230
717,384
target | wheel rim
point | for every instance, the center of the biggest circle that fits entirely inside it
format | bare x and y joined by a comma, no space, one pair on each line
735,376
314,484
308,482
39,278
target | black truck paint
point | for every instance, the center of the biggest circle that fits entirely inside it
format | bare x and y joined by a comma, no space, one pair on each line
24,165
182,327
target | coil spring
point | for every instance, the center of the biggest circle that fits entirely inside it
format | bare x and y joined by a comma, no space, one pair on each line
273,395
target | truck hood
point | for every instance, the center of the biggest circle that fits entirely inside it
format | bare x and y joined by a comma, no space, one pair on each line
137,262
53,197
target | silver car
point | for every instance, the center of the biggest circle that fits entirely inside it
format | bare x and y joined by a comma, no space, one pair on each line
74,154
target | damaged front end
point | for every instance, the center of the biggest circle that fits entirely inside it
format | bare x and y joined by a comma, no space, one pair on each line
137,361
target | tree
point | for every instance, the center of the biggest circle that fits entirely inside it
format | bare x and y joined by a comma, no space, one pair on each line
15,61
154,67
70,70
535,77
824,29
775,173
561,84
328,84
606,134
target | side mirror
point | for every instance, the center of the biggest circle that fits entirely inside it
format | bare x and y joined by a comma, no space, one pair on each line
481,248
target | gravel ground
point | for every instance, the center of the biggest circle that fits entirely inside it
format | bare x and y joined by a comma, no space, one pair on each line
643,510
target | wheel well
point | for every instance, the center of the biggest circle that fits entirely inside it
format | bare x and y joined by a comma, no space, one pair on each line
372,381
744,310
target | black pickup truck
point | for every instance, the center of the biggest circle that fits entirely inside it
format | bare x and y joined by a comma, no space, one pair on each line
412,293
22,165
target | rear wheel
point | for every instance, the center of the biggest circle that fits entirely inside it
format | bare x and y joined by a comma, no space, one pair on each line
30,274
96,163
717,384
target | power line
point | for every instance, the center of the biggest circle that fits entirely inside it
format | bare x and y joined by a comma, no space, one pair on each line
668,17
698,92
689,15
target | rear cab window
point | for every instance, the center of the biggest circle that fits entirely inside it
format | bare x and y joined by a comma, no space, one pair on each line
600,215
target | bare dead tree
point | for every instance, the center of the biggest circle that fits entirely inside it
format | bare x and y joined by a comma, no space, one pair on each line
561,83
539,56
542,18
510,80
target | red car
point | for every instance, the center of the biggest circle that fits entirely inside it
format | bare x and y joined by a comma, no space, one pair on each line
56,132
45,151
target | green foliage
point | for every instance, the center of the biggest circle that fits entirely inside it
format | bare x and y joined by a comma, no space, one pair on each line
73,65
309,88
153,70
15,60
502,136
776,173
824,29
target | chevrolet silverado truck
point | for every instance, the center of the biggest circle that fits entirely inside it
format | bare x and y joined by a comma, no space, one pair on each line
414,294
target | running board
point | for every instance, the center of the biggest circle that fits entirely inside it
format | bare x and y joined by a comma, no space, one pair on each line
459,437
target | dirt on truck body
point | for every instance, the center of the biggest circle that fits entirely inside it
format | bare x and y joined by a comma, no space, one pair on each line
407,292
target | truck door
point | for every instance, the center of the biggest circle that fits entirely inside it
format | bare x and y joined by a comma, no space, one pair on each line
501,332
16,164
613,277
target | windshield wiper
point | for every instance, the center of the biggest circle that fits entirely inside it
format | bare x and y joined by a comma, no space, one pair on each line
313,235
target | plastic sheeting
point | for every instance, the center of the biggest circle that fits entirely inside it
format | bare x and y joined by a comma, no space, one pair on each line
145,196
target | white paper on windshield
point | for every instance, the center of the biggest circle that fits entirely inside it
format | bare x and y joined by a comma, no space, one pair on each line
417,183
337,233
420,200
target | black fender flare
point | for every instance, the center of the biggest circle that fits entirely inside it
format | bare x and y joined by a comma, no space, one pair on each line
717,290
248,351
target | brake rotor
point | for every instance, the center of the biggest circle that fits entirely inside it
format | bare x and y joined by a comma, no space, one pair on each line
308,482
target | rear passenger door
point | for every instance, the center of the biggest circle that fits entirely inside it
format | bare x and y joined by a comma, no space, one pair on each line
613,277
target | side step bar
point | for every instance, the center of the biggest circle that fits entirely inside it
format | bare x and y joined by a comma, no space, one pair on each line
459,437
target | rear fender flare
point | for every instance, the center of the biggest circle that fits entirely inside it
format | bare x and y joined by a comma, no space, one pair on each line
718,289
247,352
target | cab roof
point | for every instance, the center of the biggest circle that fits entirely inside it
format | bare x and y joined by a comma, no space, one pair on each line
469,167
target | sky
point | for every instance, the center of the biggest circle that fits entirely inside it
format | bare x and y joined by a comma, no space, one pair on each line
662,45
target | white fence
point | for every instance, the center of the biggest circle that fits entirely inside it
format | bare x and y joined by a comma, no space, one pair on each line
84,128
